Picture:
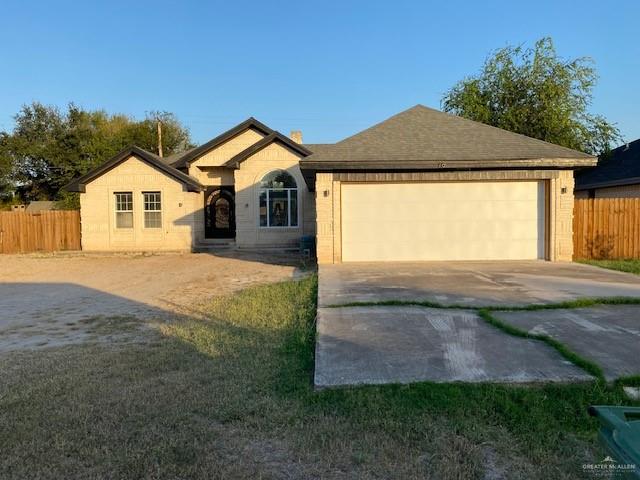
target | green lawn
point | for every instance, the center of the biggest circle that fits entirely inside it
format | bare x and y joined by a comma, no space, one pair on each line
631,265
230,396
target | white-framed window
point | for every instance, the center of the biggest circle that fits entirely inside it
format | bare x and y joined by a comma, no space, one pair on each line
152,202
278,200
124,209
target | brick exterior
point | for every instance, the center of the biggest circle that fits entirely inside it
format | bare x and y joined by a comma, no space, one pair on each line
247,185
97,211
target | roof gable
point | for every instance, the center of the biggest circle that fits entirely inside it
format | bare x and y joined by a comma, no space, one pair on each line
422,134
274,137
621,166
191,155
79,184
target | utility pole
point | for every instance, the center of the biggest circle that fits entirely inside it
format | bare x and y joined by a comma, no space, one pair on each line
159,137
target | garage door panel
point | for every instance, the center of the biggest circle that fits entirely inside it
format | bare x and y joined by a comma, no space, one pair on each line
442,221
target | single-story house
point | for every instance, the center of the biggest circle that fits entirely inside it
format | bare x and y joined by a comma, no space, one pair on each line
617,174
421,185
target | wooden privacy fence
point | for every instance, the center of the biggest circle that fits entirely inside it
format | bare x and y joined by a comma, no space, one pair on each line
606,228
39,232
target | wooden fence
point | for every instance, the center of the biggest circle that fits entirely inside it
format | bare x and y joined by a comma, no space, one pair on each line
39,232
606,228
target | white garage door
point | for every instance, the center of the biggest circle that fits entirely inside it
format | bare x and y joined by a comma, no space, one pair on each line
442,221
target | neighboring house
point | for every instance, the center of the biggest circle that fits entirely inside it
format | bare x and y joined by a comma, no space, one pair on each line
616,176
422,185
40,205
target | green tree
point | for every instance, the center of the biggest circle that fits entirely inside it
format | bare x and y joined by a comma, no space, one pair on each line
534,92
48,148
6,185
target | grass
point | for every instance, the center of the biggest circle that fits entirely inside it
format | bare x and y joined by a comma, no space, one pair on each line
579,303
630,265
230,396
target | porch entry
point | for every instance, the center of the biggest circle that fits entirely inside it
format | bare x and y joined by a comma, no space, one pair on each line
219,212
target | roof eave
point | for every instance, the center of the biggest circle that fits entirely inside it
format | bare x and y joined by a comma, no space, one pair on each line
274,137
609,183
310,167
325,165
79,185
185,160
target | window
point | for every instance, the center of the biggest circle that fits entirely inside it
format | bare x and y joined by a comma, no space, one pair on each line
278,200
152,210
124,209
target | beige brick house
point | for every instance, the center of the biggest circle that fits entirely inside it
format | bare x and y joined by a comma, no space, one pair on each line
422,185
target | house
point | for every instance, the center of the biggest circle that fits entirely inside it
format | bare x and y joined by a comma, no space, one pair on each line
616,176
421,185
40,205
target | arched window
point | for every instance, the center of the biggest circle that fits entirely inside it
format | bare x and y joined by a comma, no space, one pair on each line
278,204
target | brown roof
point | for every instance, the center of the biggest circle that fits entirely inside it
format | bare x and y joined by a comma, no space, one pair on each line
79,184
422,137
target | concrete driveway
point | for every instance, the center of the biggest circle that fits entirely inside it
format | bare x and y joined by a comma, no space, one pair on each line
391,344
472,284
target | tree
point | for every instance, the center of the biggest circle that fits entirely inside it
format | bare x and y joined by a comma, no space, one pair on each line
534,92
6,185
48,148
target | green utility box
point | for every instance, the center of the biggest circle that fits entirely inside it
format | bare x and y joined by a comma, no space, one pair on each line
620,434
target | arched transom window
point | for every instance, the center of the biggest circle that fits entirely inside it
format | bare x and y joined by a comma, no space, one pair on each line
278,203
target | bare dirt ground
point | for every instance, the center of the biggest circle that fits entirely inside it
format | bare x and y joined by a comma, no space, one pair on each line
50,300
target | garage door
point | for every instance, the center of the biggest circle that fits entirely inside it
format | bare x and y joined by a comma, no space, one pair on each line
443,221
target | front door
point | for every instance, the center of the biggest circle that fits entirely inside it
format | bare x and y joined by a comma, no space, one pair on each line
219,213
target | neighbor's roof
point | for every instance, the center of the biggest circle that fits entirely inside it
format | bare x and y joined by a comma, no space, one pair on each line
40,205
182,160
620,167
79,184
422,137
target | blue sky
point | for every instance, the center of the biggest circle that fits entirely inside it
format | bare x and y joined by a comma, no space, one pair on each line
328,68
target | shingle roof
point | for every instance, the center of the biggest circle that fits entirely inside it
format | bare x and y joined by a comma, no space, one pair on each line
79,184
620,167
317,147
421,136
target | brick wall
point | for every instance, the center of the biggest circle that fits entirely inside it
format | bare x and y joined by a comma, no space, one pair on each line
97,211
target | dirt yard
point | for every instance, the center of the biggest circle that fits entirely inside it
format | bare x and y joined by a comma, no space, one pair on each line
48,300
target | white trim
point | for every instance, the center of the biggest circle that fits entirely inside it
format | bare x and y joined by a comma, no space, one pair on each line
288,190
144,209
116,211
